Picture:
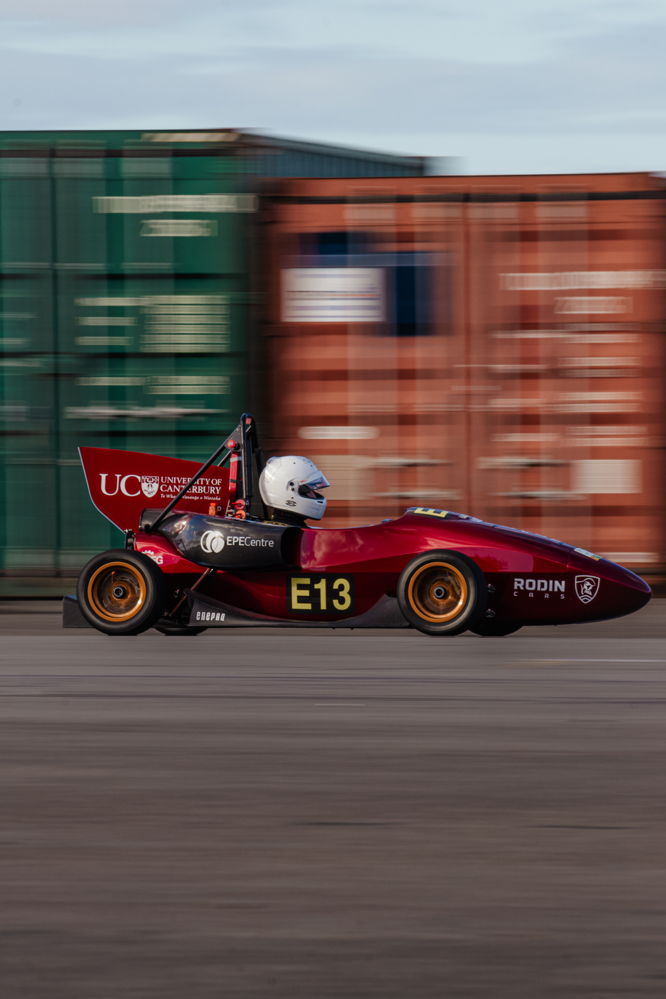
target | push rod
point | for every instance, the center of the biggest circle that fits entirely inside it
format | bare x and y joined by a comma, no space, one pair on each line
195,478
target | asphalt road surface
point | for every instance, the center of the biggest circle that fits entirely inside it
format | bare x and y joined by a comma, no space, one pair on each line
313,814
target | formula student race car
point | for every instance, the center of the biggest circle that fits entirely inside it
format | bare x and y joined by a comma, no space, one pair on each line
200,557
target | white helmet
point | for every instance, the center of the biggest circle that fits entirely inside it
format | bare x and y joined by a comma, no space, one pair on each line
290,483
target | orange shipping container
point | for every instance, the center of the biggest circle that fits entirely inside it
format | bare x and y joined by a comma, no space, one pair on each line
492,345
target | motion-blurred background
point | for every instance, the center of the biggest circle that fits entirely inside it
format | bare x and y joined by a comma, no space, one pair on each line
493,345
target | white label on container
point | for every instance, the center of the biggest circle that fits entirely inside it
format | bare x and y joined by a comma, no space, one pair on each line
333,295
607,476
150,204
179,227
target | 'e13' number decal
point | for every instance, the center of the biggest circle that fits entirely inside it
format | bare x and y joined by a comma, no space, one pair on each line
320,594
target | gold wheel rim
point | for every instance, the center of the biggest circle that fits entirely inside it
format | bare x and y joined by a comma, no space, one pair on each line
116,591
437,592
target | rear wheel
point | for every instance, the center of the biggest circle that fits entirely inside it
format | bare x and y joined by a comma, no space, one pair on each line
121,592
442,593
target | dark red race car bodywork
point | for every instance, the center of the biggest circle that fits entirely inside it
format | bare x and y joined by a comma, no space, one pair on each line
532,580
223,571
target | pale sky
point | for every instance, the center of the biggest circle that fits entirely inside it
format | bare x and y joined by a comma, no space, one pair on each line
512,86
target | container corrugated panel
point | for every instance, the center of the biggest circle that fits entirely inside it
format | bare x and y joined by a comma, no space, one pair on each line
568,440
29,494
26,222
488,344
26,314
128,215
152,315
135,396
82,531
27,406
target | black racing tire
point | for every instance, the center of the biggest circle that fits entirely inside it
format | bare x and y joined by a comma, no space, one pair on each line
121,592
442,593
495,629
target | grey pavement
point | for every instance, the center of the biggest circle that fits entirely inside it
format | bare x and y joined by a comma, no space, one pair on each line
317,814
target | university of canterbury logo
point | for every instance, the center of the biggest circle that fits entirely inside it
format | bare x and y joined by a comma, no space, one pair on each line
587,588
149,485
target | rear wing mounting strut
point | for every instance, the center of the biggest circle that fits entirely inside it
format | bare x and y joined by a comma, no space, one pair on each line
243,444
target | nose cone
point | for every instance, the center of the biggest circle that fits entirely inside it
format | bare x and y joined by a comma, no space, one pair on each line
636,592
619,591
625,592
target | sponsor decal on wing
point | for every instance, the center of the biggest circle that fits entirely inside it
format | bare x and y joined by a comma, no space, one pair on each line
163,486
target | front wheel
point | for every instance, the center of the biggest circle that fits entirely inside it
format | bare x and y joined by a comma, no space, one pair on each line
442,593
121,592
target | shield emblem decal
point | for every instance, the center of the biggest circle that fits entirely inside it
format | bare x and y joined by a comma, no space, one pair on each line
587,588
149,485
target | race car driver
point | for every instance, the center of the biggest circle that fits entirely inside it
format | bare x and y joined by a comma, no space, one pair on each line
289,487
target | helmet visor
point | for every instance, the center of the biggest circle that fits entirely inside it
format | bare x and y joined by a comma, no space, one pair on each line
309,489
309,492
318,481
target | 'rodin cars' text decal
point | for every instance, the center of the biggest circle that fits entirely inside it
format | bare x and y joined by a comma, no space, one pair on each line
544,587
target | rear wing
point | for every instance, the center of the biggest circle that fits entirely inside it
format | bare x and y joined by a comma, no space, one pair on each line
123,483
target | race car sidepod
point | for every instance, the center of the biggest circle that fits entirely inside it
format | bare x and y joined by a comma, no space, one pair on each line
226,543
